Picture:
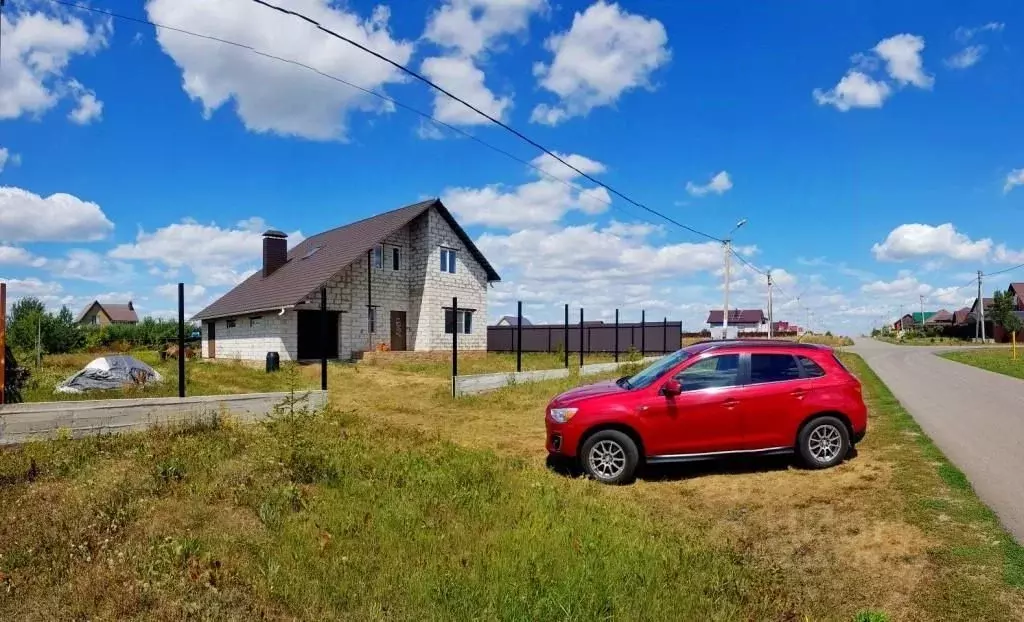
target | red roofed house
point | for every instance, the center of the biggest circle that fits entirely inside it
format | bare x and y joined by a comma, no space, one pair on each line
742,320
98,313
389,279
1017,291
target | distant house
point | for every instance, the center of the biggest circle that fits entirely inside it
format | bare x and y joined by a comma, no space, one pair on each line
905,322
921,317
511,320
389,279
1017,291
98,313
960,316
941,317
742,320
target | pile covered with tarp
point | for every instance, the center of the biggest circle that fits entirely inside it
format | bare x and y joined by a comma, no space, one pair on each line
110,372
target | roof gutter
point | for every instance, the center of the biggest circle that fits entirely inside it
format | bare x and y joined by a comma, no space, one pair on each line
279,308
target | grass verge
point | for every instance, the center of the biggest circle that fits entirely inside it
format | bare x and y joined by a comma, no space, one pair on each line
999,360
401,503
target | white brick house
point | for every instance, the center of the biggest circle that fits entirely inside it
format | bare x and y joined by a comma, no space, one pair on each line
390,280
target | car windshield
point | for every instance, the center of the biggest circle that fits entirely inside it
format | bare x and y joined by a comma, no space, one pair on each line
656,370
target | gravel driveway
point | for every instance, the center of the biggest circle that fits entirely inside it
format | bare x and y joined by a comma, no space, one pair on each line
976,417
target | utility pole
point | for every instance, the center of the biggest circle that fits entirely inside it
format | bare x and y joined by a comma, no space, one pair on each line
903,323
725,315
39,342
921,296
981,307
770,317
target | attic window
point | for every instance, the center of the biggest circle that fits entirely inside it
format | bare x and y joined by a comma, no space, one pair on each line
311,252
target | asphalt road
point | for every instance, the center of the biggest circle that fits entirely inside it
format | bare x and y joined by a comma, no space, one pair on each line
976,417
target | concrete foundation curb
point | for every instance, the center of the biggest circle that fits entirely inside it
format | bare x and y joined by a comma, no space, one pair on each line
482,383
23,422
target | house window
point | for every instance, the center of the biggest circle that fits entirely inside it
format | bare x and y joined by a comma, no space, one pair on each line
230,323
255,322
448,260
396,258
378,256
465,319
373,319
385,254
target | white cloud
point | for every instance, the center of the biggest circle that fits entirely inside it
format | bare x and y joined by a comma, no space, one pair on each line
17,256
215,255
967,57
87,265
8,158
902,56
472,27
964,35
23,288
916,240
855,90
460,76
271,96
902,287
88,108
28,217
539,202
170,290
1013,178
720,184
37,49
1006,255
605,53
859,89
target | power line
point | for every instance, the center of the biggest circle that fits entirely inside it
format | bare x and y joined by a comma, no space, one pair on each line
1004,270
497,122
372,92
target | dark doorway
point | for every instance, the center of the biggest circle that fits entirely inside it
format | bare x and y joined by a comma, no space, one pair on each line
398,330
309,335
211,347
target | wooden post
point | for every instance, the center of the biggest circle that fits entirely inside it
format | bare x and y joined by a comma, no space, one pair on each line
181,340
3,342
581,338
323,338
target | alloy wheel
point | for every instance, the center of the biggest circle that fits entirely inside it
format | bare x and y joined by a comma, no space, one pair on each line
825,442
607,459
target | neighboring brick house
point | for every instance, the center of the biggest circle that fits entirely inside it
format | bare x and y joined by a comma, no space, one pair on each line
743,320
905,322
1017,291
98,313
390,280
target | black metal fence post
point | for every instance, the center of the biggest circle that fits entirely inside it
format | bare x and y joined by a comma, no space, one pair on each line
519,336
323,338
455,341
565,338
616,335
643,333
581,337
181,340
664,336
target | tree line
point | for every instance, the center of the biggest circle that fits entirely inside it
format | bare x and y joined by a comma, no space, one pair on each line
30,325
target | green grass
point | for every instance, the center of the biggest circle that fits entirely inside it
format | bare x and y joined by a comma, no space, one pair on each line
201,378
914,340
440,364
999,360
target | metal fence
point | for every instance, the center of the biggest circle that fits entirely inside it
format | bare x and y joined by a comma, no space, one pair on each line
598,337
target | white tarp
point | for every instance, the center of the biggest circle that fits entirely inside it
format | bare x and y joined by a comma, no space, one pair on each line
109,372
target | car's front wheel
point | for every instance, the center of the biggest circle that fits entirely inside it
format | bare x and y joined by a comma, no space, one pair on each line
824,442
610,457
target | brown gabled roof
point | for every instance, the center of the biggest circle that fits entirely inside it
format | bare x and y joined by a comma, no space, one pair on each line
939,316
740,316
340,247
116,312
960,315
1018,288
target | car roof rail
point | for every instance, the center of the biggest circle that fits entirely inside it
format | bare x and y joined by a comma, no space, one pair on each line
758,343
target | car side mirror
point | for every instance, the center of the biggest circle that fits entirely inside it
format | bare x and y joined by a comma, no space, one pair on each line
671,388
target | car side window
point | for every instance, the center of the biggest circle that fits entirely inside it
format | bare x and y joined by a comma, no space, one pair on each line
773,368
711,373
811,369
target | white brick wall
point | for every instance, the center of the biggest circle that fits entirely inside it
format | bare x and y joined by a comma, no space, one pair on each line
419,289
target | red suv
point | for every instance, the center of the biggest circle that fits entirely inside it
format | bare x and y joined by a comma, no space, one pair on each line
710,400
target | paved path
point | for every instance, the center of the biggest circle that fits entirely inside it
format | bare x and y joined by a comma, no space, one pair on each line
976,417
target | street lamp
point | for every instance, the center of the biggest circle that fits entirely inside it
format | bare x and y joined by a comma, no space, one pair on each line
727,244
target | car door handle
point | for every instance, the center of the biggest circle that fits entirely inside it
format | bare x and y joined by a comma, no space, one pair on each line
730,403
799,393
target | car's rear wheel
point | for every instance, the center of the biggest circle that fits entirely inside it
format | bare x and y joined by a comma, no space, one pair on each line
610,457
824,442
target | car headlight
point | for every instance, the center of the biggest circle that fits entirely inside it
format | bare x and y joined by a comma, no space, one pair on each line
563,415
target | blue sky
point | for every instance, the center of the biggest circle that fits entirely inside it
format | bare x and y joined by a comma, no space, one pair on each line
871,147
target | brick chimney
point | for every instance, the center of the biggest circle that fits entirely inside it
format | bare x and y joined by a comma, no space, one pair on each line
131,307
275,251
